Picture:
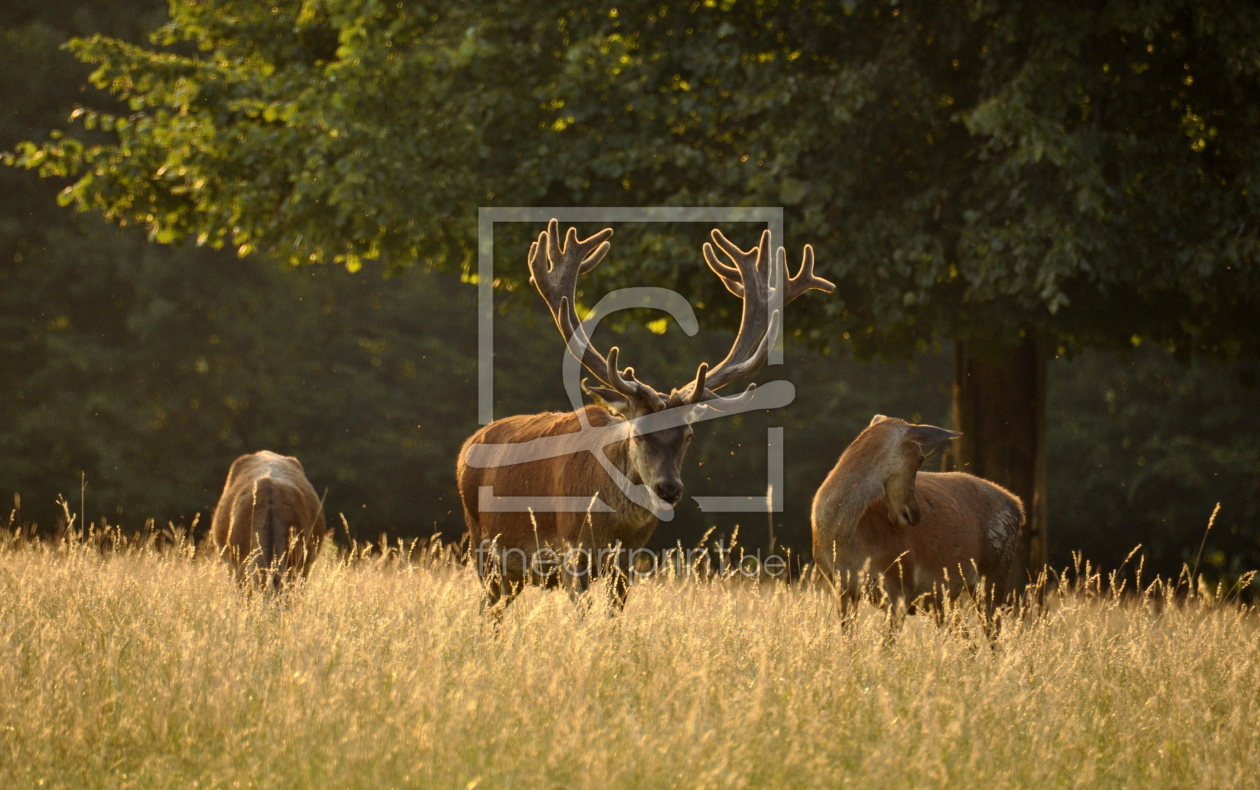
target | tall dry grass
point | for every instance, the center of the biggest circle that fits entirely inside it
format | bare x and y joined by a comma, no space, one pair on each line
147,667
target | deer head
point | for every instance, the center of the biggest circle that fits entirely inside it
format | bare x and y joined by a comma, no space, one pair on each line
899,461
656,454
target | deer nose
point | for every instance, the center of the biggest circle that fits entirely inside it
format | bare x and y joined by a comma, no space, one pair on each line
669,491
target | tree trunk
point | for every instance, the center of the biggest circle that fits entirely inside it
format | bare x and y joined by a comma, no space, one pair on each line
1000,407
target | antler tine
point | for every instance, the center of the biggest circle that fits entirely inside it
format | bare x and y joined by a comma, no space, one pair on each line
592,260
805,278
698,389
699,393
732,403
746,262
535,261
729,275
625,382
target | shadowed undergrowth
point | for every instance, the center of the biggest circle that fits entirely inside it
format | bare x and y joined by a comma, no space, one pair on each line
144,666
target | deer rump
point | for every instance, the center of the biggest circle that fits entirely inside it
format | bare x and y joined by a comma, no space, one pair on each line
268,523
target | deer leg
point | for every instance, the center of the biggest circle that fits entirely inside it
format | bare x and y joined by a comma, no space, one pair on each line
617,569
575,574
845,595
895,610
992,617
847,607
619,588
500,591
936,603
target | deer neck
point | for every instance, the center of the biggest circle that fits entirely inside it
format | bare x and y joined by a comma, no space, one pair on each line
854,485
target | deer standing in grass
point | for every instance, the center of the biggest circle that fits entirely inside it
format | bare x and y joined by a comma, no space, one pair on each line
650,430
269,523
881,524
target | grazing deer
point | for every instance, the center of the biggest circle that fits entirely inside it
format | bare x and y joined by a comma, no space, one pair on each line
878,521
268,524
645,433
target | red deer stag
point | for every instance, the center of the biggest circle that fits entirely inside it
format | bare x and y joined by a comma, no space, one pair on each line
268,524
878,521
646,432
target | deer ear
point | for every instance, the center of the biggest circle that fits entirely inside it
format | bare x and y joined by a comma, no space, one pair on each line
878,418
930,434
610,399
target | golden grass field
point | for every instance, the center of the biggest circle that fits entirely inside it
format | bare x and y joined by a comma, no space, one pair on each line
147,667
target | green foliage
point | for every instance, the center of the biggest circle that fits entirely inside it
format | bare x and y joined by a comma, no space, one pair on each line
1141,448
149,370
966,169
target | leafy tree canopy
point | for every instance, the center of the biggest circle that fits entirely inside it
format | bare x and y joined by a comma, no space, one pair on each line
146,369
1085,169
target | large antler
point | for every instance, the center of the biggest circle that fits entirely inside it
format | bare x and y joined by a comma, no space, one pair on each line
554,270
752,279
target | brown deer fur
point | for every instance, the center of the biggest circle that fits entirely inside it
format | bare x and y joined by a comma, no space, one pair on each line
878,521
574,475
269,523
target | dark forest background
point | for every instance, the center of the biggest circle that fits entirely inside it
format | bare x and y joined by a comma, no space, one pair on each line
132,373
